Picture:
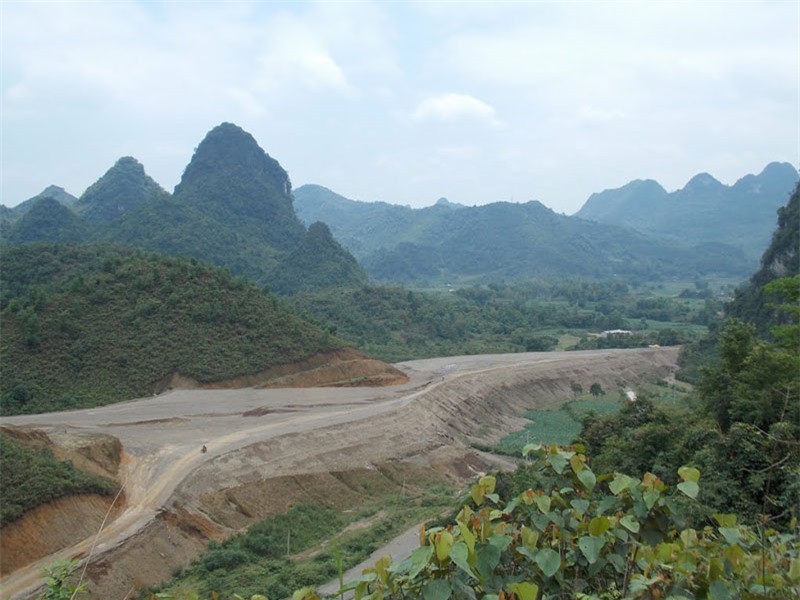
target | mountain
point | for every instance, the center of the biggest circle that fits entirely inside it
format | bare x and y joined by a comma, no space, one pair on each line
318,263
9,215
232,180
500,241
232,208
365,227
47,220
780,259
123,187
704,210
89,324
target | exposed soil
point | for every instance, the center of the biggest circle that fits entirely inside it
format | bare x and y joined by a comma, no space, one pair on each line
332,445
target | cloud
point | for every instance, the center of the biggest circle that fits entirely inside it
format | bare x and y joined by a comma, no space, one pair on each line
453,107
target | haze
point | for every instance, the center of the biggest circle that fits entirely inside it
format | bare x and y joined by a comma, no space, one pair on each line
404,102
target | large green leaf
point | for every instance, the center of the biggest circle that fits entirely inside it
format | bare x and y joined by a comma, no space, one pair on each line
437,589
619,484
590,547
549,561
690,488
524,590
459,554
487,557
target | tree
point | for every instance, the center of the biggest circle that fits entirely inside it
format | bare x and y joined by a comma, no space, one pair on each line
596,389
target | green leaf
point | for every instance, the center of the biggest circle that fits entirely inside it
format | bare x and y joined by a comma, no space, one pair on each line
549,561
443,541
719,590
690,488
487,558
794,570
590,547
630,523
459,554
725,520
599,525
731,534
524,590
419,560
651,497
580,506
437,589
542,503
619,484
588,479
558,462
689,474
468,536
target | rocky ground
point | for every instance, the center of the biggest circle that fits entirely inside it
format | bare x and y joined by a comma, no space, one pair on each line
271,447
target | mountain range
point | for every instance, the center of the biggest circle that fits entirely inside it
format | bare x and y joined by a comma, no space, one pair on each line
704,210
234,207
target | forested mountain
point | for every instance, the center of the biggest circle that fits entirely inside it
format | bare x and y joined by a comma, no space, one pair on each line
500,241
232,208
88,324
704,210
51,191
317,264
741,431
781,259
124,187
47,220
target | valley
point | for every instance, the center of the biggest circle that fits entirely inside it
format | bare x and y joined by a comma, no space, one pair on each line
268,449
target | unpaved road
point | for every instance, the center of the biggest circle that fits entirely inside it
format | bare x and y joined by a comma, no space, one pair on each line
162,436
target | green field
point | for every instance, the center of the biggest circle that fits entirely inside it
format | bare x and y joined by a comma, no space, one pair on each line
562,425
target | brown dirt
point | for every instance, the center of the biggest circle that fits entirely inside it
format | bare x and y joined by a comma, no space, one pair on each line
331,446
346,367
53,526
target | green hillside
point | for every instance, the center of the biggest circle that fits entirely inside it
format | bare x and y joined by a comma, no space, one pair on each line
47,220
704,210
318,263
123,187
90,325
500,242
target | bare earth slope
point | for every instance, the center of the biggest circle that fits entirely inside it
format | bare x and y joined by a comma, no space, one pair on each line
270,448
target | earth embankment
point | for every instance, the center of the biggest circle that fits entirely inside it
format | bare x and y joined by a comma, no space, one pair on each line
268,448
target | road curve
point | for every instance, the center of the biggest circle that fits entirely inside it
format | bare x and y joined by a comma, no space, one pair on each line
162,436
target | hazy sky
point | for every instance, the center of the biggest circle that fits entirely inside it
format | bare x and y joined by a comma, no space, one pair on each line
405,101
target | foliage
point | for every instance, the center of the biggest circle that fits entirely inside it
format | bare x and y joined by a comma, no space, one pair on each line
318,263
58,581
396,324
89,325
499,241
123,187
32,476
742,431
577,534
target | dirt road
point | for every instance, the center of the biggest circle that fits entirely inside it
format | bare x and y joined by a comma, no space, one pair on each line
447,401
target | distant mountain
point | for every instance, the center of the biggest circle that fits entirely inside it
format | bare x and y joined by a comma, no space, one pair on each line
124,187
500,241
366,227
704,210
232,180
9,215
318,263
46,220
233,208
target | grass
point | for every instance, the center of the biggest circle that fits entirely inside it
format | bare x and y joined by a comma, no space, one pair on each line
325,543
562,425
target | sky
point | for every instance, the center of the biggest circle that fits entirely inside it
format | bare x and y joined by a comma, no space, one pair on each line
404,102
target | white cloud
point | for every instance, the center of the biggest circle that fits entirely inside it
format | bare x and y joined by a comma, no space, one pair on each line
452,107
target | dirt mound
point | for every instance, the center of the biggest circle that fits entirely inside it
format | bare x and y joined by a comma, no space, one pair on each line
340,368
50,527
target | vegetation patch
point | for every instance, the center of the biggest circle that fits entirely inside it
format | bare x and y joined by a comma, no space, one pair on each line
90,325
307,546
32,477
